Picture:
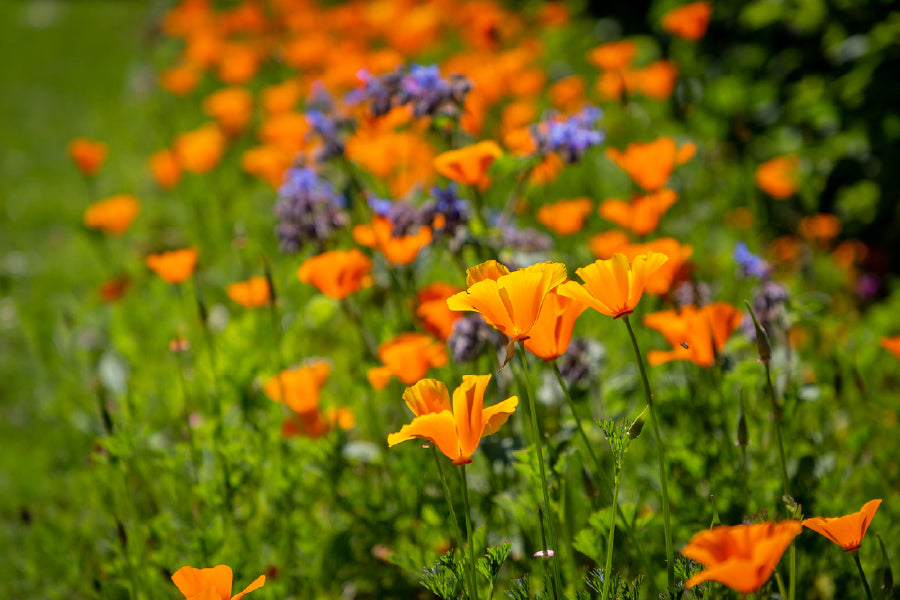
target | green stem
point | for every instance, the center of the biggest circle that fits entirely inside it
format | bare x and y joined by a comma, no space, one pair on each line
776,418
473,589
607,572
437,462
660,453
862,574
536,436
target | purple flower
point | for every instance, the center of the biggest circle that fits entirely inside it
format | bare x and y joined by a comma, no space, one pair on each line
308,210
422,86
569,138
751,264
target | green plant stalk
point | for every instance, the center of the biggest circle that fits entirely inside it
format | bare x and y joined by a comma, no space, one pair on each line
660,453
473,585
612,534
862,574
536,436
437,462
775,419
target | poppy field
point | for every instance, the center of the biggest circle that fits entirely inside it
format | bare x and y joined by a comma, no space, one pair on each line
449,299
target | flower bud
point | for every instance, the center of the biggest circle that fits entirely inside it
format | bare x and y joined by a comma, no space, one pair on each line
638,424
762,338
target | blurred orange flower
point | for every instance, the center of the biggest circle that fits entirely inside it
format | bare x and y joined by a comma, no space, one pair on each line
892,345
650,164
642,214
509,302
165,169
230,107
847,531
299,388
200,150
180,80
408,358
88,155
238,63
286,130
820,227
113,215
655,80
269,163
567,94
696,334
436,316
778,177
175,266
613,55
613,287
281,98
211,584
741,557
113,289
469,164
552,332
251,293
400,250
566,216
337,273
688,21
455,429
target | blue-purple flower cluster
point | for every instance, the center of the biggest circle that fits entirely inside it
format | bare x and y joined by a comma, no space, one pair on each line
751,265
571,137
308,210
422,87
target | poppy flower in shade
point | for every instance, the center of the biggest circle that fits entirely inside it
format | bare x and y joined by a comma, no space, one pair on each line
456,429
314,424
337,273
175,266
165,169
892,345
470,164
552,332
650,164
688,21
822,227
613,55
509,302
642,214
211,584
566,216
696,334
200,150
88,155
436,316
614,286
741,557
230,107
408,358
299,388
847,531
113,215
113,289
400,250
252,293
778,177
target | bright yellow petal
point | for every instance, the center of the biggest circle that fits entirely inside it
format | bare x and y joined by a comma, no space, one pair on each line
495,416
427,396
490,269
577,292
439,428
468,403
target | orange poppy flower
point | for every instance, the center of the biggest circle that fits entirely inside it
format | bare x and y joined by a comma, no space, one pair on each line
656,80
230,107
892,345
847,531
455,429
547,170
642,214
337,273
238,63
286,130
518,114
175,266
436,316
650,164
408,358
822,226
688,21
696,334
741,557
113,215
567,94
606,244
180,80
509,302
299,388
251,293
614,286
400,250
269,163
778,177
553,14
470,164
613,55
200,150
566,216
211,584
311,424
88,155
281,98
552,332
165,169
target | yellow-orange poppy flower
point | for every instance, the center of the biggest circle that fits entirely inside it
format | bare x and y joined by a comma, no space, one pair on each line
688,21
696,334
778,177
455,429
509,302
470,164
655,80
436,316
238,63
175,266
299,388
613,55
741,557
650,164
200,150
269,163
400,250
614,286
605,244
566,216
408,357
552,332
642,214
211,584
820,227
180,80
113,215
286,130
88,155
165,169
281,98
847,531
252,293
567,94
337,273
230,107
892,345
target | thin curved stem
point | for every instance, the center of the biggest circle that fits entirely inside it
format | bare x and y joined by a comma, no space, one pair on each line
862,574
473,585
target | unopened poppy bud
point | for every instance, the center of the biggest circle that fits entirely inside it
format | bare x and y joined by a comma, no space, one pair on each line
638,424
762,338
